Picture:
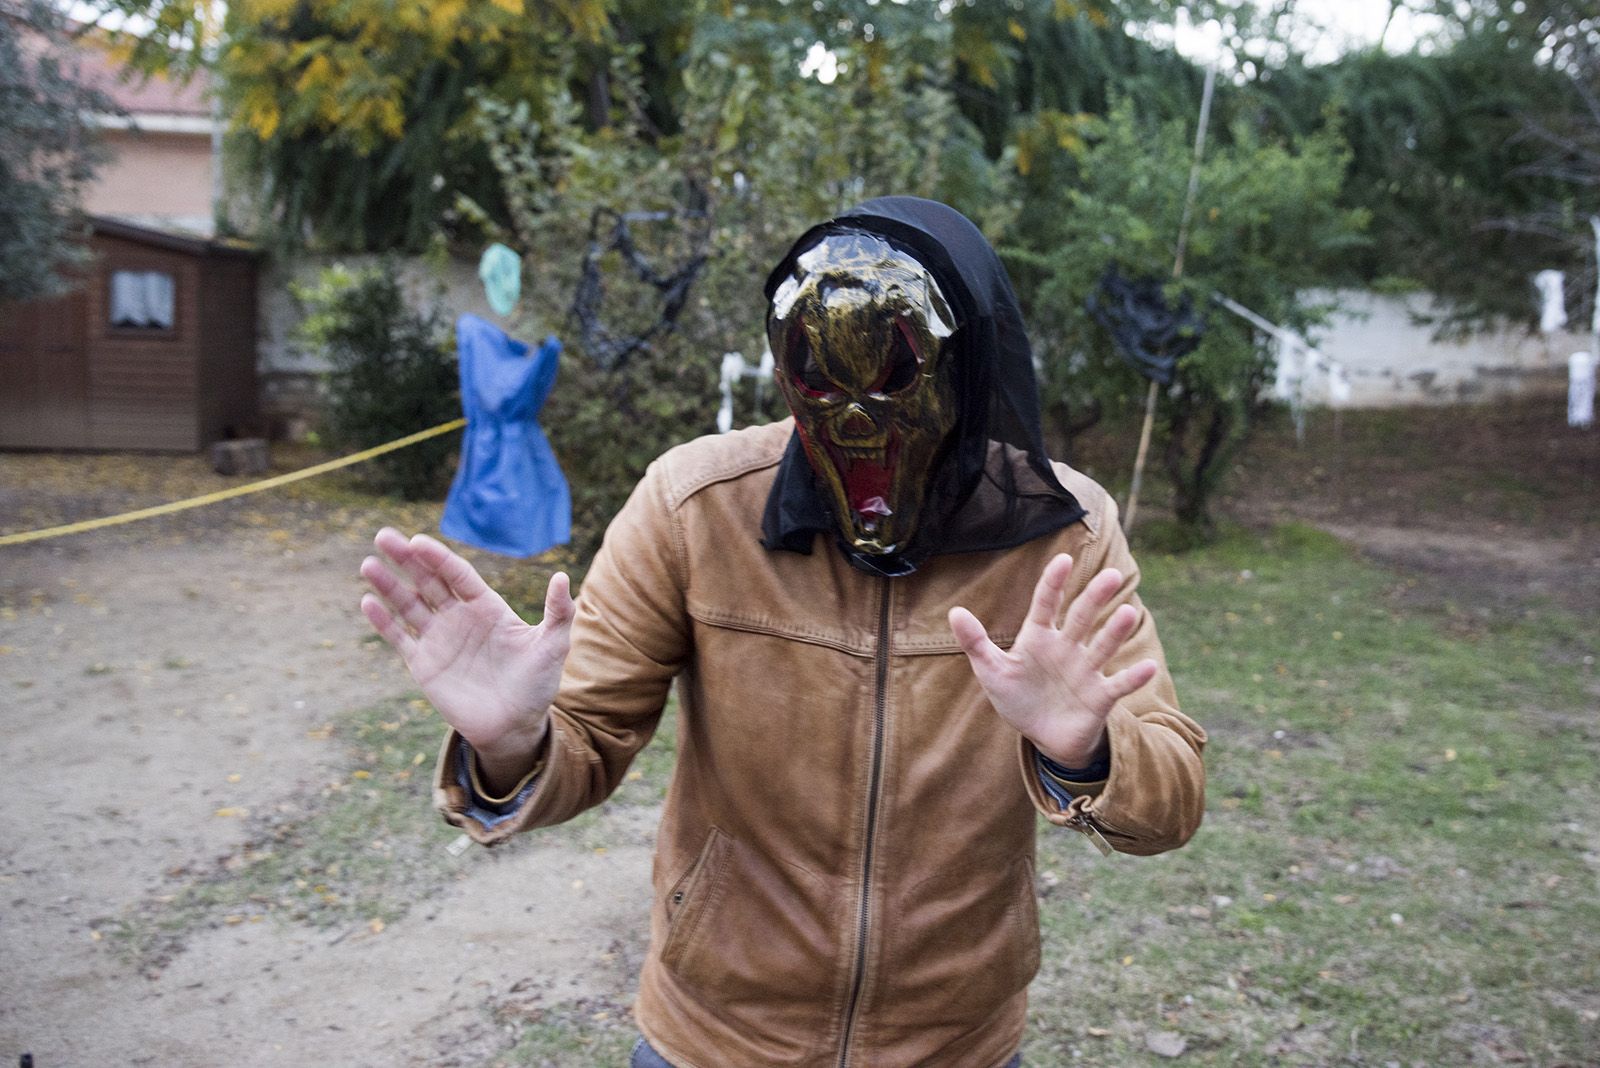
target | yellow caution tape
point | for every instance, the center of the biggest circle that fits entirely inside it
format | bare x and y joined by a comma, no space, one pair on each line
236,491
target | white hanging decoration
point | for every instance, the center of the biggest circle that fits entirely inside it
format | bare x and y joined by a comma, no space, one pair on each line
1580,389
734,368
1552,300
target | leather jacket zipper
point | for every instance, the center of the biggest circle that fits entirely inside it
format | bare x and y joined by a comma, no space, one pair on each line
875,786
1081,818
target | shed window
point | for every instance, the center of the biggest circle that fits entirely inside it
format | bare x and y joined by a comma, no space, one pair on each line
142,300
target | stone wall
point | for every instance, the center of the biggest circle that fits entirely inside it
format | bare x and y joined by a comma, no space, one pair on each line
290,376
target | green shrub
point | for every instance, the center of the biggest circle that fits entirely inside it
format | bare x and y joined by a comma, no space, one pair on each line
393,373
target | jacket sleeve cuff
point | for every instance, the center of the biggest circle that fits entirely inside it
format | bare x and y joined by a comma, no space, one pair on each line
461,797
467,768
1062,783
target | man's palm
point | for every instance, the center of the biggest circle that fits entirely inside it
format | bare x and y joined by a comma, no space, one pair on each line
1049,685
490,675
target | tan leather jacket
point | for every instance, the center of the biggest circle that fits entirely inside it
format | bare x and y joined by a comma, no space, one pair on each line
844,870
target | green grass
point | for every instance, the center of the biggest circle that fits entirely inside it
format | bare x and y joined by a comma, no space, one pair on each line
590,1034
1399,858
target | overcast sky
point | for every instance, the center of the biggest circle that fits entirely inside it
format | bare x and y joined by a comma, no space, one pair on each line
1325,29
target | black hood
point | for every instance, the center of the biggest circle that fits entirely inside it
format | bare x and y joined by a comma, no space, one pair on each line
995,487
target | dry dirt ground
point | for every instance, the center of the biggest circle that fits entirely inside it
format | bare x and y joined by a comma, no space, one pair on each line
162,687
166,689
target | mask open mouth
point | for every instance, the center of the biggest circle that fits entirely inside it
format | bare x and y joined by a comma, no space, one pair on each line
868,478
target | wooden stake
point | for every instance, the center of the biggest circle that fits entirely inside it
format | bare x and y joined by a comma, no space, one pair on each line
1177,273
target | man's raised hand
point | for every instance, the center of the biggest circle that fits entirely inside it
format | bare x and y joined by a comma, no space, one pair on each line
1049,685
490,675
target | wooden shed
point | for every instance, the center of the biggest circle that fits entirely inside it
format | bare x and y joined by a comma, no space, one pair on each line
154,349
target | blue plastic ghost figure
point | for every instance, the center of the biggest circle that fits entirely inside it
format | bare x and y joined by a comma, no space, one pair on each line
509,495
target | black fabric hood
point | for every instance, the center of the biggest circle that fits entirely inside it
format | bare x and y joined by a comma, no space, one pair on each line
995,487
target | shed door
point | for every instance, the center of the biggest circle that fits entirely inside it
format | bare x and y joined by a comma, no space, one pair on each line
44,374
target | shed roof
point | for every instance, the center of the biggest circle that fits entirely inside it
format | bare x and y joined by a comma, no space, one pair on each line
174,240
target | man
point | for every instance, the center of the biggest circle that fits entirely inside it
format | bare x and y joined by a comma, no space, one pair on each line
872,705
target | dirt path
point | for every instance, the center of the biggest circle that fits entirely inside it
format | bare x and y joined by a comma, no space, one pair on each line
144,689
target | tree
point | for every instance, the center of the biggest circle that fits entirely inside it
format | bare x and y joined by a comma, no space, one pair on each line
1440,160
1267,223
754,153
352,117
47,150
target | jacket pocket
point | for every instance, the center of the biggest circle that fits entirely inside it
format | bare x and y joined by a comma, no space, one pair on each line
688,899
759,939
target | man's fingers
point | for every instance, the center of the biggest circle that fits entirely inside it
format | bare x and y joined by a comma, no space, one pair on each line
1130,679
398,595
558,606
386,625
457,575
1088,605
1049,591
420,572
1105,643
984,654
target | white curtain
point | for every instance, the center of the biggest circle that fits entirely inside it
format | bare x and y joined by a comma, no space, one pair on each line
143,299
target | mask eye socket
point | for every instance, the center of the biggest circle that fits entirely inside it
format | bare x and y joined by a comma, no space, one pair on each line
904,363
802,364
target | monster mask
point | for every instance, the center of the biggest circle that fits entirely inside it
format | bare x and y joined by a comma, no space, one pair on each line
858,330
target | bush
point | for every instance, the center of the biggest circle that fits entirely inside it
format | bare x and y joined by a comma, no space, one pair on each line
394,373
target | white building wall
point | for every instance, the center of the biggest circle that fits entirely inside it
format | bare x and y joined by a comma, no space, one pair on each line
1392,359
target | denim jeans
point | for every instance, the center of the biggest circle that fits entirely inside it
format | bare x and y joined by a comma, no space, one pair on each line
645,1057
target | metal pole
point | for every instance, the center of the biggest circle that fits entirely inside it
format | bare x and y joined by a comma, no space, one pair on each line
1190,198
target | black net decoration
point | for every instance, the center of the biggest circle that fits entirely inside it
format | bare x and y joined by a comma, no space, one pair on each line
1150,335
606,348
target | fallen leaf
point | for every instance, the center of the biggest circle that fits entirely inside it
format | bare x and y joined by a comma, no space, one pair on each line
361,773
1099,1032
376,926
231,813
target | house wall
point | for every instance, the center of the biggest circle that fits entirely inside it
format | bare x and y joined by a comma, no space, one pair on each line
155,178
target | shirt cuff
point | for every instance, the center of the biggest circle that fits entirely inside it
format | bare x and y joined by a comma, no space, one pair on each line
1063,783
486,810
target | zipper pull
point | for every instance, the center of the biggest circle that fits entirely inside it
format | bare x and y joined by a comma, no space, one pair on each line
1091,832
1081,821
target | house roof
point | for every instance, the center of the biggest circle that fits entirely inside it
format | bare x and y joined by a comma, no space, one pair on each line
136,94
